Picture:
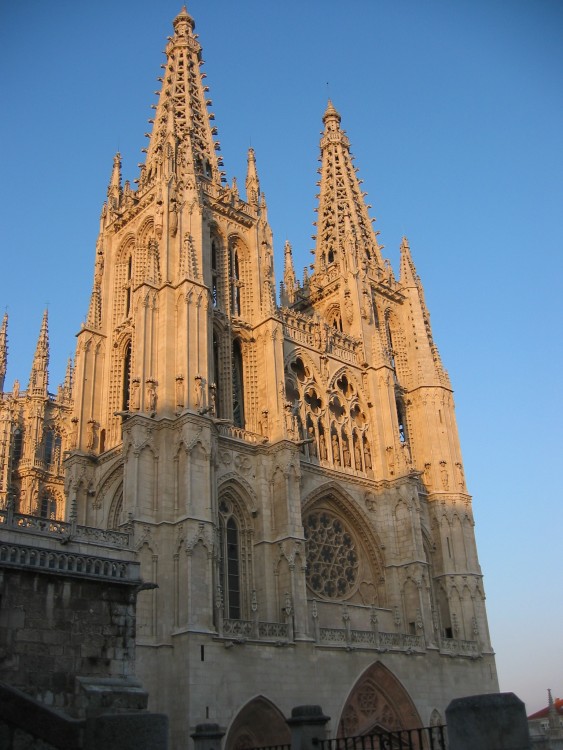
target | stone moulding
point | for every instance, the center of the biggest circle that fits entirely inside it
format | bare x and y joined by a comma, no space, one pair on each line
36,559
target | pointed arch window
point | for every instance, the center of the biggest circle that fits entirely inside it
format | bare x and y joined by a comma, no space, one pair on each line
214,273
401,419
52,447
234,276
126,388
238,385
47,506
230,560
17,447
217,374
128,286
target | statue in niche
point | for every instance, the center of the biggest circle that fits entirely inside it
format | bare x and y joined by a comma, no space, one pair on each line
313,441
179,391
289,419
212,399
151,395
99,268
461,475
91,435
346,450
444,475
427,475
199,392
335,449
322,446
73,438
357,454
134,397
367,455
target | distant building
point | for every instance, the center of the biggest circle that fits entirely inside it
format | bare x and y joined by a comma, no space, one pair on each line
546,725
35,430
291,473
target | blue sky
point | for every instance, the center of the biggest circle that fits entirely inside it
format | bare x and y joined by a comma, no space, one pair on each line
455,115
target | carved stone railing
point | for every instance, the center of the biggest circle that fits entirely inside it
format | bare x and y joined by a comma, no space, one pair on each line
458,647
238,433
63,530
371,639
255,630
73,563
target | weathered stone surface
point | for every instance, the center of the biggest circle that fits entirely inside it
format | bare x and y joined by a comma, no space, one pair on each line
488,722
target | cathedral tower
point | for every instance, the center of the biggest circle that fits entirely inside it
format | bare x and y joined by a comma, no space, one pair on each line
290,475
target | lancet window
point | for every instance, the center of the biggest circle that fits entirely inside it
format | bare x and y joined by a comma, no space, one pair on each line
17,447
47,505
234,546
214,273
52,447
234,279
128,287
126,387
238,385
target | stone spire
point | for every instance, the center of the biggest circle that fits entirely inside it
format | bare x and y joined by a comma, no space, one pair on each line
39,377
344,233
66,388
289,278
181,142
114,188
3,350
252,182
411,286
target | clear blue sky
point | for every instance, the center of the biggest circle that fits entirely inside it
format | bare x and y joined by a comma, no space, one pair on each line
455,114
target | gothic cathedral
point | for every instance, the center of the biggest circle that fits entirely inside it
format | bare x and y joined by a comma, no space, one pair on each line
290,473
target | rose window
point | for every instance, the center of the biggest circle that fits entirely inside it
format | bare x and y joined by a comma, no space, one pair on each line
332,557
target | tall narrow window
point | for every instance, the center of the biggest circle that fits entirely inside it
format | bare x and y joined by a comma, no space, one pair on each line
49,445
128,287
230,569
217,375
17,447
126,377
402,420
238,385
234,273
48,506
214,274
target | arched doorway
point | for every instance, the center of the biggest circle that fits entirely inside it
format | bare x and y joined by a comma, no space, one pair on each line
377,701
257,724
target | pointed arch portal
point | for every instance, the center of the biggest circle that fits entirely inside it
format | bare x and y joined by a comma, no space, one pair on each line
258,724
377,701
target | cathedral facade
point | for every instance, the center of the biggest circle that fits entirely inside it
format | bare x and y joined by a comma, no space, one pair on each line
290,472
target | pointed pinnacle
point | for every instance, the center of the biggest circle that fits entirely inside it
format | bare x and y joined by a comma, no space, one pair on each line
331,112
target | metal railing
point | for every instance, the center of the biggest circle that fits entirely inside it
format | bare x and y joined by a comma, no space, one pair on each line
422,738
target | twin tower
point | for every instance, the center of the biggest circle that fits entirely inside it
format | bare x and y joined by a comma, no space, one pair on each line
290,472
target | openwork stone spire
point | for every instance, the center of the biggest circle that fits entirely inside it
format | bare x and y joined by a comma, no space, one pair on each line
252,182
345,237
289,278
182,138
39,377
3,350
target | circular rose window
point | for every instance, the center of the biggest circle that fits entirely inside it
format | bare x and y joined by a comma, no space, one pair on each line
332,557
